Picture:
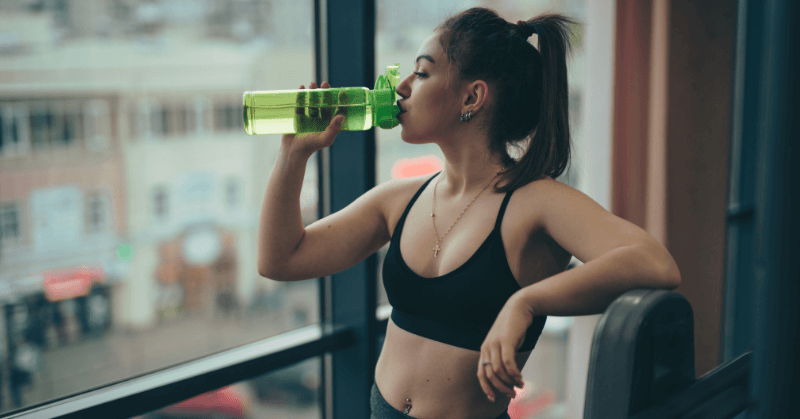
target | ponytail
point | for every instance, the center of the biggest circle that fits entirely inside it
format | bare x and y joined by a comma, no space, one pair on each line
532,106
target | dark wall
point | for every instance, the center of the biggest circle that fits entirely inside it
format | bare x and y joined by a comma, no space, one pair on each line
702,37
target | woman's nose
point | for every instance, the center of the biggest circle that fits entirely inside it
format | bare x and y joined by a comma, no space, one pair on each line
402,86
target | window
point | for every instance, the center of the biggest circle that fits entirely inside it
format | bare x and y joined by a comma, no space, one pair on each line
179,281
97,212
133,123
160,204
53,124
297,385
73,122
162,118
182,116
159,120
14,133
57,133
98,125
226,117
201,115
144,127
41,119
9,222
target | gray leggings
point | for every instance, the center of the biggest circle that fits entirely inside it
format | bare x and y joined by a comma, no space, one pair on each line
381,409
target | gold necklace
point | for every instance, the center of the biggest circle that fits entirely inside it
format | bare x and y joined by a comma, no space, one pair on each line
438,240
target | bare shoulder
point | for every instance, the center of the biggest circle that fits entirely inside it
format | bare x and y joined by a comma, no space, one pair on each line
578,223
547,197
535,196
396,194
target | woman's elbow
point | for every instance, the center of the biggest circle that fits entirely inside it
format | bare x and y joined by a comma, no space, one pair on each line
272,273
673,277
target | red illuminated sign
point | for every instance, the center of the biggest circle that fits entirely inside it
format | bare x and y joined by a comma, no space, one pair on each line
420,166
70,283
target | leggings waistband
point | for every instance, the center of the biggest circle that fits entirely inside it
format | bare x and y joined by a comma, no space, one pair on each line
381,409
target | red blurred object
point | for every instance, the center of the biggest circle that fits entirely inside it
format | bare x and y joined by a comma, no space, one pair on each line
226,400
420,166
71,283
528,403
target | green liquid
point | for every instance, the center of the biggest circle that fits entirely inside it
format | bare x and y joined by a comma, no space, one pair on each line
307,110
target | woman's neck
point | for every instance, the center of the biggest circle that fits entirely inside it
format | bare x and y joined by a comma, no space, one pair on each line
457,184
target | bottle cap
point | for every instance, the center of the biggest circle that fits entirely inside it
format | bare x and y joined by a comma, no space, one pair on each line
385,110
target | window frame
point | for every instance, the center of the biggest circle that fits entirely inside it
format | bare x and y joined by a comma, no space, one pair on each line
351,327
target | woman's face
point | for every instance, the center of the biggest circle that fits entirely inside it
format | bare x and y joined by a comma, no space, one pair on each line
431,110
427,108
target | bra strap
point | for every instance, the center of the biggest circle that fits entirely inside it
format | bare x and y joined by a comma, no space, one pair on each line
414,199
419,192
502,210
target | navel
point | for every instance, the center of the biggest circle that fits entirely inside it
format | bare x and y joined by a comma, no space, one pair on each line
408,407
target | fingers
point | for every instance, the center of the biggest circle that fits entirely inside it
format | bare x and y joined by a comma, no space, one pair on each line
498,376
342,101
484,381
298,108
322,110
510,365
313,85
315,110
325,102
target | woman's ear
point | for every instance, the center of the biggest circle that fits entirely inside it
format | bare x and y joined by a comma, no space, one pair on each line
477,95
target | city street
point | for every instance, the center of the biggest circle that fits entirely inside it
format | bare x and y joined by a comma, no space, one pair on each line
92,362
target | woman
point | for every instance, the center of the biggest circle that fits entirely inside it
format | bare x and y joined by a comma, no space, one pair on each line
468,311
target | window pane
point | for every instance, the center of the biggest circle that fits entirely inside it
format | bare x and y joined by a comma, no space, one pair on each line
9,226
291,392
161,267
400,33
2,130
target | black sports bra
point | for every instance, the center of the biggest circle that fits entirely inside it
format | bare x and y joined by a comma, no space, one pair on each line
458,308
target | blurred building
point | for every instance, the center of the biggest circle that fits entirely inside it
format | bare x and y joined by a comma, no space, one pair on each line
62,193
122,160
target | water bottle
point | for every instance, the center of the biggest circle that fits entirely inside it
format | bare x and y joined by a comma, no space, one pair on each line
311,110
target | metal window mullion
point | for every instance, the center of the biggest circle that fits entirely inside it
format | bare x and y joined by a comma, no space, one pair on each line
737,324
345,57
773,385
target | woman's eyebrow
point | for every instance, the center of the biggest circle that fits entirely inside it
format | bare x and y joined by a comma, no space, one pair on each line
425,56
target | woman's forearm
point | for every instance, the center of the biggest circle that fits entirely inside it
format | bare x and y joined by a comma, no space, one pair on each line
591,287
280,226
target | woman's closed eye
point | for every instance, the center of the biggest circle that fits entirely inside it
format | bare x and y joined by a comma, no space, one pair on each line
421,74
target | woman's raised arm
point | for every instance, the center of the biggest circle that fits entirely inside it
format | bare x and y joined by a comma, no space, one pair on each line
289,252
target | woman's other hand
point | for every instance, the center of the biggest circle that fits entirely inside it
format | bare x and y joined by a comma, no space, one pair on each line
308,143
500,349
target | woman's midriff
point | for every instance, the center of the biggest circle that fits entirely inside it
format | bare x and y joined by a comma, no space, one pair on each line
441,380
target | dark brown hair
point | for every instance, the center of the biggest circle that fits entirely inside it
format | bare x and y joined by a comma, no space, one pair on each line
530,87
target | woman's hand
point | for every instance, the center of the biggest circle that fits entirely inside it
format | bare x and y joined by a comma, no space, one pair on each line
500,348
310,142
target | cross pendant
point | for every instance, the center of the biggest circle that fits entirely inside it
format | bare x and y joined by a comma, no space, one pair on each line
436,250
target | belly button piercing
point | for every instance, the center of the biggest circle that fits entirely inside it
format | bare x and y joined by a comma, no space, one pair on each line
408,408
